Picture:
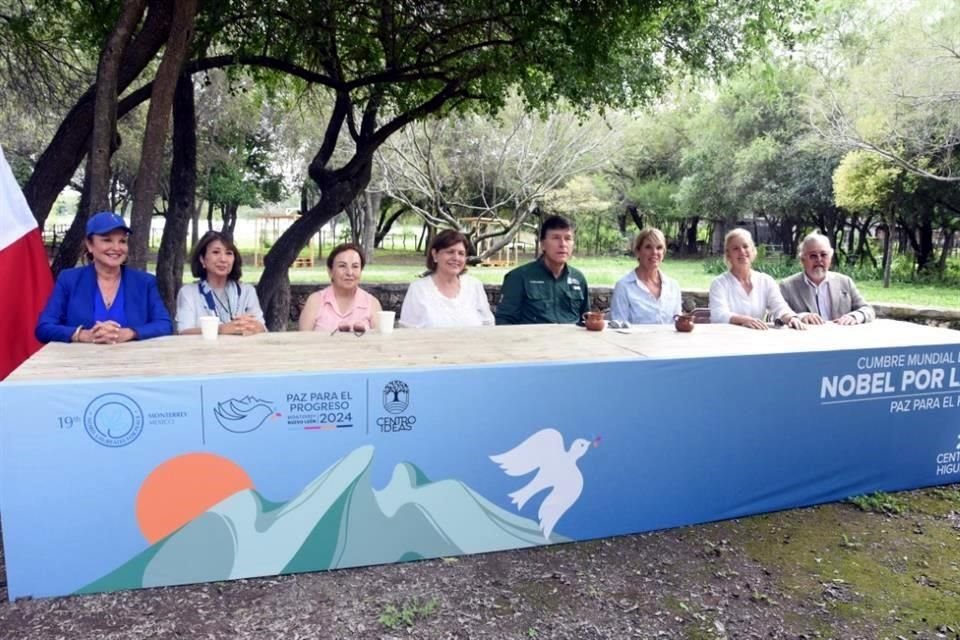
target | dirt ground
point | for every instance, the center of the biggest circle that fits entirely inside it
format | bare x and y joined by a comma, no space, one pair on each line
834,571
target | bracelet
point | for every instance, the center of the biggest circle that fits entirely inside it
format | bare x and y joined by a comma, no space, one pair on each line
76,334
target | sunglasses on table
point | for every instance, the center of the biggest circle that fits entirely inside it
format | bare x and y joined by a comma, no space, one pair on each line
357,329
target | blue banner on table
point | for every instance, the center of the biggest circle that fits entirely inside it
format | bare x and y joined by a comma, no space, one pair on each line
125,484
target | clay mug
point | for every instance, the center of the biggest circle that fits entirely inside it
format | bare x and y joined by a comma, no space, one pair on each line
593,320
683,322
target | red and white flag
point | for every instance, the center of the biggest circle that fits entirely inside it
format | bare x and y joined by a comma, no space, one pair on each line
25,280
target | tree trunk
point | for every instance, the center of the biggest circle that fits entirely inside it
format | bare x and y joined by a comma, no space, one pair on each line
303,198
209,216
371,206
59,161
155,133
338,189
788,238
72,247
945,251
925,243
863,252
105,103
355,219
851,238
692,236
183,186
424,234
635,215
229,219
622,223
888,247
596,236
386,223
333,230
195,225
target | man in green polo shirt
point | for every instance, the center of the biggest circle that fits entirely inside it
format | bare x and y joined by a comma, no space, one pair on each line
546,290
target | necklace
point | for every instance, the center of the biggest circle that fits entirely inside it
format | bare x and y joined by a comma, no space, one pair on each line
108,291
654,283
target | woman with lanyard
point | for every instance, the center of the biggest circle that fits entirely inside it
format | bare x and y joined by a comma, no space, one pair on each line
216,261
104,302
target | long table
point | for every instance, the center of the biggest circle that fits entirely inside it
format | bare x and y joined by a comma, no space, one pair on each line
177,460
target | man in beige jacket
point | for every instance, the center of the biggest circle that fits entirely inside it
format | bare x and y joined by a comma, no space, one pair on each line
820,296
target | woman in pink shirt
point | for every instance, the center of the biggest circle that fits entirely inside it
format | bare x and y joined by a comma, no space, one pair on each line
343,305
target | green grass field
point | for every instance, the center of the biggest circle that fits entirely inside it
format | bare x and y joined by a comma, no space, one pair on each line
390,266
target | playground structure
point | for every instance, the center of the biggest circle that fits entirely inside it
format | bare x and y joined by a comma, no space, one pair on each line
268,227
506,256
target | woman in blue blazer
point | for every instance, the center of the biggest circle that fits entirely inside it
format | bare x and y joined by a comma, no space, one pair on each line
104,302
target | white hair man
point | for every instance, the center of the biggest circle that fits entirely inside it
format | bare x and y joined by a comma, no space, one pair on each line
820,296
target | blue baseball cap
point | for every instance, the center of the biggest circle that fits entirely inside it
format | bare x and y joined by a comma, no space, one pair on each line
102,223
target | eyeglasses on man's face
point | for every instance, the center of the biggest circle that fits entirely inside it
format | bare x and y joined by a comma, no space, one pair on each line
357,329
823,255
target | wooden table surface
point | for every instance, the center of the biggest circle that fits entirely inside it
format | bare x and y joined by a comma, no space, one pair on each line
178,356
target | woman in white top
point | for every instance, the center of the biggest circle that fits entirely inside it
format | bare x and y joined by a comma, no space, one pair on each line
743,296
446,296
216,261
646,295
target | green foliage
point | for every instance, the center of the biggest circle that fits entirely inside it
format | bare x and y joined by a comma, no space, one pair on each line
891,578
238,148
598,54
879,502
395,618
902,271
778,267
749,150
865,182
656,197
228,186
849,542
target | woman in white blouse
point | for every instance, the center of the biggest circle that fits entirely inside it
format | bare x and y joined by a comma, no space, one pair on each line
743,296
646,295
446,296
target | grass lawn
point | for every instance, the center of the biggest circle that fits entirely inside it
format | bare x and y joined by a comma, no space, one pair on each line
397,266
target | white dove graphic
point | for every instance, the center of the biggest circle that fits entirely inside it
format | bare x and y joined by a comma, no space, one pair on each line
556,468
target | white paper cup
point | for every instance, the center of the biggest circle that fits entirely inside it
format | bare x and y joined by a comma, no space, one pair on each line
385,321
209,327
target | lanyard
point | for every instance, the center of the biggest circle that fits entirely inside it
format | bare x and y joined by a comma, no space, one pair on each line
213,300
225,305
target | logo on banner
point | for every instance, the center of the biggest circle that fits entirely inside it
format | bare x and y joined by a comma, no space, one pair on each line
556,467
396,400
243,415
396,397
113,420
948,462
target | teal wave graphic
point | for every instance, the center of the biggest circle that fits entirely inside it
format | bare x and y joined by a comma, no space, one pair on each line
338,520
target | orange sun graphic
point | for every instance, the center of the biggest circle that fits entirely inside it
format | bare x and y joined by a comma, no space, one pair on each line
182,488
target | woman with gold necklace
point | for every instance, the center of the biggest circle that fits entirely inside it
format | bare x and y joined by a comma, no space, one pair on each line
216,261
104,302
